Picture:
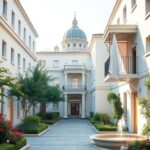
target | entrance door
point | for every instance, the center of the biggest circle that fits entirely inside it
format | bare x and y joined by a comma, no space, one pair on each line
135,113
74,109
134,60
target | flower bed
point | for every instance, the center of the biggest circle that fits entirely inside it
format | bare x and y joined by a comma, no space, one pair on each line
32,125
10,137
140,145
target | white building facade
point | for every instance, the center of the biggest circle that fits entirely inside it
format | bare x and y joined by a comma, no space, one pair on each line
127,35
72,67
17,49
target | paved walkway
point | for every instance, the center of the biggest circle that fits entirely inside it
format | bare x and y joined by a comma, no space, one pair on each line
71,134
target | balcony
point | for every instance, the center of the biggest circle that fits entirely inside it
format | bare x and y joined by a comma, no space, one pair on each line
74,88
128,69
74,67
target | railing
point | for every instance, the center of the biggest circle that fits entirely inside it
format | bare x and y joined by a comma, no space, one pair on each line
81,67
128,65
74,88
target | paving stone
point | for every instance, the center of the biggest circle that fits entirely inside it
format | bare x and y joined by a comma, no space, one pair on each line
68,134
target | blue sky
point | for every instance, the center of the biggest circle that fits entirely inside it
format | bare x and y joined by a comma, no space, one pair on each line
52,18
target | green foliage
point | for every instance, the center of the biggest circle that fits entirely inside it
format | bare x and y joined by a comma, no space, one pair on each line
32,129
49,115
19,145
91,114
117,106
97,117
139,145
101,127
32,120
146,130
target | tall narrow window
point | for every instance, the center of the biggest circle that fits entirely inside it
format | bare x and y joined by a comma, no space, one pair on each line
12,55
33,45
4,49
75,82
5,8
29,42
19,27
13,19
124,14
56,63
148,44
133,3
19,61
24,64
147,8
24,34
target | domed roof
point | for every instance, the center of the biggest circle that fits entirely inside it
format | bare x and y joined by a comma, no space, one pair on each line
75,33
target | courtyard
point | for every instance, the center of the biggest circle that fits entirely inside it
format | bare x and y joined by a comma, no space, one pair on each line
69,134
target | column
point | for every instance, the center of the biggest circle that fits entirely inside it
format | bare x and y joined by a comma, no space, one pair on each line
83,81
83,106
65,78
65,107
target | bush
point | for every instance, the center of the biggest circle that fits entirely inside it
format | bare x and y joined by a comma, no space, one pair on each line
140,145
18,145
103,118
32,120
91,114
105,127
49,115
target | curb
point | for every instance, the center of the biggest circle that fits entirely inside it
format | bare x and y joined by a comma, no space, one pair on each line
93,127
26,147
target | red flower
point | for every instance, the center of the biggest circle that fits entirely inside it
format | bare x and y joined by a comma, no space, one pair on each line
19,134
1,130
1,114
1,121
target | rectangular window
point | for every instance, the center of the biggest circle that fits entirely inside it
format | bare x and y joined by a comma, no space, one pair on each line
118,21
12,55
147,8
74,62
19,27
5,8
55,63
133,3
4,49
19,61
24,35
24,64
29,42
75,82
33,46
124,14
55,106
13,19
148,44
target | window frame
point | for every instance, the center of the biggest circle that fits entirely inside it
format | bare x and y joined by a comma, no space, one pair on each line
4,49
13,19
12,57
5,8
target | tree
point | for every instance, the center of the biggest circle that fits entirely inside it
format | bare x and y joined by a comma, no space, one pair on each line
145,110
117,109
5,81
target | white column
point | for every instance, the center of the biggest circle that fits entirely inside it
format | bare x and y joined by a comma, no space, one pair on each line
65,78
83,106
83,79
65,107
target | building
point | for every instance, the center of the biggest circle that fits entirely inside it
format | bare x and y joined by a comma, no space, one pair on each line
17,49
76,71
127,35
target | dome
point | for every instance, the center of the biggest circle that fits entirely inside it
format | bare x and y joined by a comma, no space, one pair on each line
75,33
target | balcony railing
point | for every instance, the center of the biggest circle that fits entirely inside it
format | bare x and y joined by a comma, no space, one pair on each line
128,65
77,67
74,88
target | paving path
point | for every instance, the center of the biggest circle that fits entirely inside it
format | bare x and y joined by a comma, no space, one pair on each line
71,134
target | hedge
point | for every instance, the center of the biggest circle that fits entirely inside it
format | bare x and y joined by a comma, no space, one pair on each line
19,145
105,127
36,130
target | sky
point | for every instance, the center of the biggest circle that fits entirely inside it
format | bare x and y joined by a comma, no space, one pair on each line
52,18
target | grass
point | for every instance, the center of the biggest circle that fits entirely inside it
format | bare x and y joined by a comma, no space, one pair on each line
101,127
20,144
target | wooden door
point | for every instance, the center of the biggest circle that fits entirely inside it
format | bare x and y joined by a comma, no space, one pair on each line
135,112
74,109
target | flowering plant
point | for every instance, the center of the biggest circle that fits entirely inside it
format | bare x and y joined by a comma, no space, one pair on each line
8,133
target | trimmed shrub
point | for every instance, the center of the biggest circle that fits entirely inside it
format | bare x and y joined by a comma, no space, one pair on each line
97,117
32,120
91,114
20,144
49,115
105,127
103,118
